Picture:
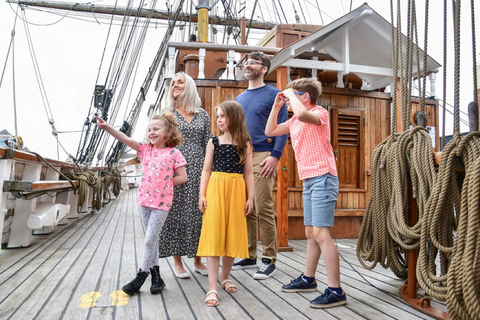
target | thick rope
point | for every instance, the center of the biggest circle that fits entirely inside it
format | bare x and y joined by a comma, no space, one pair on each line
444,103
86,179
385,234
412,158
448,227
463,277
474,54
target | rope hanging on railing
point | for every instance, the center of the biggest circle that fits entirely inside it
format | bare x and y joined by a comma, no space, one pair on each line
86,179
463,301
385,235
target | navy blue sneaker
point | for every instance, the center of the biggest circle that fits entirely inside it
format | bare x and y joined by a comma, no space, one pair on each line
299,285
329,299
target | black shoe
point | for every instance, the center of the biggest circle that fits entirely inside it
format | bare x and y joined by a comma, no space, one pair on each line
266,270
136,283
157,281
245,264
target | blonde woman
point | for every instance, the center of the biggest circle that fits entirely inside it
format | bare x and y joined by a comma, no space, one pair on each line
181,232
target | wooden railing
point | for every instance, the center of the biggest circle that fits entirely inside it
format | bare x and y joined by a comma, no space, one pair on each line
33,197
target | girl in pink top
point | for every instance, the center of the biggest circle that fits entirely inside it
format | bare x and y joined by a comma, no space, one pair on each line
160,161
309,130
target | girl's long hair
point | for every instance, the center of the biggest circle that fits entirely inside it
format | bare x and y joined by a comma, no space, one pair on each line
189,97
173,137
236,126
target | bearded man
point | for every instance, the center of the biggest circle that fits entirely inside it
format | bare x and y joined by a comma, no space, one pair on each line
257,101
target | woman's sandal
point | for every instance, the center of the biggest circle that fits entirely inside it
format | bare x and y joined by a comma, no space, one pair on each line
213,299
231,288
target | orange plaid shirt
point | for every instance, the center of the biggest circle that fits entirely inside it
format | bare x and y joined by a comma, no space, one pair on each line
311,143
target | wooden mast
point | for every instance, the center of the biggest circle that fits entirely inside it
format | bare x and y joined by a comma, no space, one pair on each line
203,8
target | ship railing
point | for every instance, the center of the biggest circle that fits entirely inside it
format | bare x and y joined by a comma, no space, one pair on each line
33,197
227,59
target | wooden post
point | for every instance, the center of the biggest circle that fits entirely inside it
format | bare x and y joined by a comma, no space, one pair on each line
399,106
243,26
282,181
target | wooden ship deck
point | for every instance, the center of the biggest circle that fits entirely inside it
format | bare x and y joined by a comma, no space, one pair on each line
76,272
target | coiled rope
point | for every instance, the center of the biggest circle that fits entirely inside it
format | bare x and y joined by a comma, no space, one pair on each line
86,179
385,234
112,177
463,301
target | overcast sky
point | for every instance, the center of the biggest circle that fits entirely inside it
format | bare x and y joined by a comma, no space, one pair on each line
69,55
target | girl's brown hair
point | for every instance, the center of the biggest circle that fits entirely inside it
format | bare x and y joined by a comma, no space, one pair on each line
236,126
173,136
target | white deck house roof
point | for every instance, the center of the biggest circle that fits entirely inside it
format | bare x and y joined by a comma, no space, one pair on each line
360,42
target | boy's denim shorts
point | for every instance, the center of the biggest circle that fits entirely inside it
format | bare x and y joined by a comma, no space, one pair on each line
319,197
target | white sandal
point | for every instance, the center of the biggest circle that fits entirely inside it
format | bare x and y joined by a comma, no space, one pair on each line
215,300
232,288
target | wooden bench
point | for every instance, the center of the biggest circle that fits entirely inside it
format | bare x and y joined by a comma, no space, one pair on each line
33,198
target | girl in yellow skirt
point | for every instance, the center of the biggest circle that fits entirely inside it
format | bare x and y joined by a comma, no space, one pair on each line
227,171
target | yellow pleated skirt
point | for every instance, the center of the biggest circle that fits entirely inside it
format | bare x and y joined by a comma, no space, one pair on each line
224,226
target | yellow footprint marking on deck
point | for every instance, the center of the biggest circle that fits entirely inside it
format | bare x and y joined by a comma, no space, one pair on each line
88,300
120,298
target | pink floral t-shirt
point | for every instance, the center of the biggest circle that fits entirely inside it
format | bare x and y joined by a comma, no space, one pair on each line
158,167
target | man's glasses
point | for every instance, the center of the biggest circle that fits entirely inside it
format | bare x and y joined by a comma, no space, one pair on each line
252,63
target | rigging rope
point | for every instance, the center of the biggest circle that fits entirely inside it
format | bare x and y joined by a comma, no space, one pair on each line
117,150
386,233
447,231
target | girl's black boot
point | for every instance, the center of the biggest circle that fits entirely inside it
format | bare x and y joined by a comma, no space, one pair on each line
136,283
157,281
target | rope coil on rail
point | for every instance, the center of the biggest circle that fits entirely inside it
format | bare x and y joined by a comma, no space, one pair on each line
86,179
453,210
385,235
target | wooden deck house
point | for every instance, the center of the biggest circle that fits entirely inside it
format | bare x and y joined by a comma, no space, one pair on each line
352,58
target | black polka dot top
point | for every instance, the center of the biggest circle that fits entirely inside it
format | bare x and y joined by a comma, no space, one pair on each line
226,158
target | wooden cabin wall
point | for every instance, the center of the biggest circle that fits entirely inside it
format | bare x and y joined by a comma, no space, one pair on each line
214,92
352,201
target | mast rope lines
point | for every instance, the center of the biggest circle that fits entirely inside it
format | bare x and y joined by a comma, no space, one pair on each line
38,75
386,235
448,214
119,72
453,214
117,150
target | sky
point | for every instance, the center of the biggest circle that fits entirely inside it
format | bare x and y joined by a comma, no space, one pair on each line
72,57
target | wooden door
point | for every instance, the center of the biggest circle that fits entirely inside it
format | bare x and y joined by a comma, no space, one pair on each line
348,141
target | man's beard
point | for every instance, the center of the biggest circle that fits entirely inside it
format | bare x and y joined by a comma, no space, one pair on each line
254,74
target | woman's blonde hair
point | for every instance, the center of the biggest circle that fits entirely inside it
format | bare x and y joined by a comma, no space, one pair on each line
310,85
189,97
236,126
173,137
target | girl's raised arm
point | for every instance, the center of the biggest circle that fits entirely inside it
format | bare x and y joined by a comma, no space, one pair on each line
206,172
248,176
120,136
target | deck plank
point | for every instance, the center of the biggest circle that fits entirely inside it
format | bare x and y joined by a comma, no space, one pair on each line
99,253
